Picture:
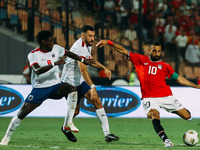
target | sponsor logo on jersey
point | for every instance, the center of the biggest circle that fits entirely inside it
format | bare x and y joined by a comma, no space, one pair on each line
146,63
116,101
10,100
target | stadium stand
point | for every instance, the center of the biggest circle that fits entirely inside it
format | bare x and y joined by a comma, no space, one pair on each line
51,15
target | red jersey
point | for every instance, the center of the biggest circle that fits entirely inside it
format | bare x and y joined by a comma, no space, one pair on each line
152,75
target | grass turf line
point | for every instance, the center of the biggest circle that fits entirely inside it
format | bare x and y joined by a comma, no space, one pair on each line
135,134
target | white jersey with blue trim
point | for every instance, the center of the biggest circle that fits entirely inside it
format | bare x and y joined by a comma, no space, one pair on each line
71,72
51,77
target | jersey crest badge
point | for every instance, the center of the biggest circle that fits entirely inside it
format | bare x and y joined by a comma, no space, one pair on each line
53,55
146,63
159,66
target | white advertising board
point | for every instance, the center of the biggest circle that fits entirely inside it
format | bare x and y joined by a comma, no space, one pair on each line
122,101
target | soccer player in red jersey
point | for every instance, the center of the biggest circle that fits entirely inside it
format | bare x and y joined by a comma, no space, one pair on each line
152,72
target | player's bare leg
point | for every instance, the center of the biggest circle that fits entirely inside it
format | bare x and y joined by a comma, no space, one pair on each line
184,113
101,114
15,122
154,115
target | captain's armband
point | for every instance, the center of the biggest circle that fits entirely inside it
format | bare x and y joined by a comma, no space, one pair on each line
175,76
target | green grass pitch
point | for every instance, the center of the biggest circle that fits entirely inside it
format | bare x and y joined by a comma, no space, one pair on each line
135,134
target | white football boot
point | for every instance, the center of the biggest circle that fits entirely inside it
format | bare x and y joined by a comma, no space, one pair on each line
71,127
5,141
168,143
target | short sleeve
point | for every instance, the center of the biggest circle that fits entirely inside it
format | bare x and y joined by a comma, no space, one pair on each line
170,71
61,50
76,49
32,59
135,58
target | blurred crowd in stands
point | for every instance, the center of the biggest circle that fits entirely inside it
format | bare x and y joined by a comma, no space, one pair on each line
176,23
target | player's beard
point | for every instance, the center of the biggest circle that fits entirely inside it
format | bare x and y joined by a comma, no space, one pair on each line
155,58
89,43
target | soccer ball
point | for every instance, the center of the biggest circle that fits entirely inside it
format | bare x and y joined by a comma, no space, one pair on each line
191,138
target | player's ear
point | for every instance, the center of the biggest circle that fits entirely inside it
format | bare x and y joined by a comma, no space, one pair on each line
149,51
82,36
42,42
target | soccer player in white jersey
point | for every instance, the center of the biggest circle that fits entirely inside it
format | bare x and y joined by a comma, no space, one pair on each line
45,81
76,74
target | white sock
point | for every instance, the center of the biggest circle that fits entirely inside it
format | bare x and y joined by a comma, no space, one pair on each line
101,114
12,126
71,106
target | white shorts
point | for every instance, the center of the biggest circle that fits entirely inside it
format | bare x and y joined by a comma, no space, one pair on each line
169,103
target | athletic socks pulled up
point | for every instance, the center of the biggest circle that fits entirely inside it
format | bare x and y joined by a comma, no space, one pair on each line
159,129
101,114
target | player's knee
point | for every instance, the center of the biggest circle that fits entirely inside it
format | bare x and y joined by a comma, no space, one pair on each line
72,89
96,102
153,114
187,115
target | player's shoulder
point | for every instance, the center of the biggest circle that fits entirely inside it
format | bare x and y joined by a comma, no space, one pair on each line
56,46
77,45
35,50
165,64
136,54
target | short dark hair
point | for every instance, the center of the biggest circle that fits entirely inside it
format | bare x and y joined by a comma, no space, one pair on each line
155,42
86,28
43,35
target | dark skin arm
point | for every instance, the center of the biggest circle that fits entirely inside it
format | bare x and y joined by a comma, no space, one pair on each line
40,70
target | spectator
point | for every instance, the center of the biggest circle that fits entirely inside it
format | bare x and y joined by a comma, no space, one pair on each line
124,17
130,33
169,39
181,43
192,55
159,19
107,24
109,7
132,77
170,24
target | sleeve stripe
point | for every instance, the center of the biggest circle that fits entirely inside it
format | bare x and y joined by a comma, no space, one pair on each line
34,64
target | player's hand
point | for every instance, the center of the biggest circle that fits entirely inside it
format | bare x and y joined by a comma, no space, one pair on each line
89,61
102,43
60,61
108,73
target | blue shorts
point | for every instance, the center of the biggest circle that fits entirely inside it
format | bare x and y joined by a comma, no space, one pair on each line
39,95
82,90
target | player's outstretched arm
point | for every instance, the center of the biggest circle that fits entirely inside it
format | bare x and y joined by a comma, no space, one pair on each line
76,57
116,46
100,66
186,82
